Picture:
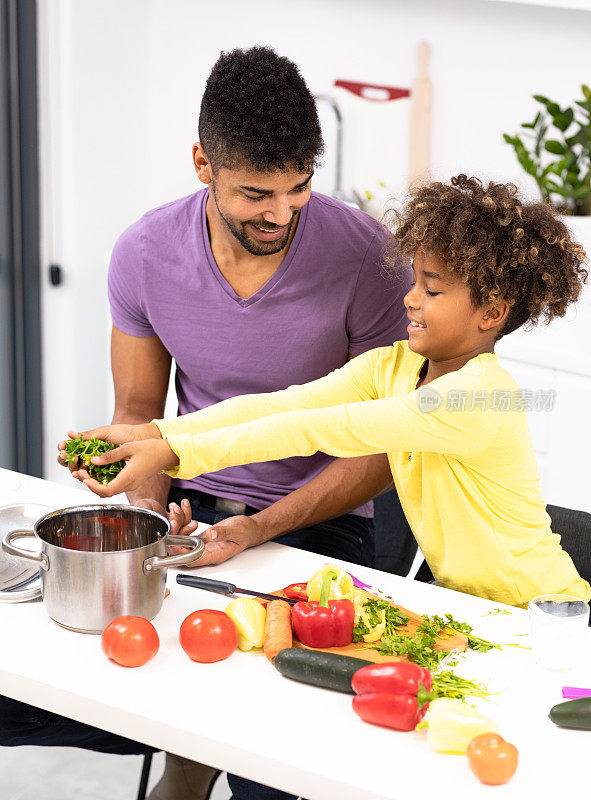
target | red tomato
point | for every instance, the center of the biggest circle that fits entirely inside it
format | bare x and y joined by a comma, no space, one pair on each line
208,635
296,591
492,759
130,641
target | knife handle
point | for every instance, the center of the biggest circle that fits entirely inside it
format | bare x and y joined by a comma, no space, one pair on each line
210,585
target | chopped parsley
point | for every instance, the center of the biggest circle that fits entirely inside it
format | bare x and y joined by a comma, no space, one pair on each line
360,630
421,648
448,684
474,642
373,609
86,450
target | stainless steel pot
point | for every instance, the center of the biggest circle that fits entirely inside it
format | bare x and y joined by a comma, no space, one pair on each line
101,562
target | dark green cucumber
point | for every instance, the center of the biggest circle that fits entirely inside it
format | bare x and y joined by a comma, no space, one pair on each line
329,670
573,714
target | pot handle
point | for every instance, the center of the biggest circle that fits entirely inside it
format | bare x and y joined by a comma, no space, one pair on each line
8,547
22,595
196,544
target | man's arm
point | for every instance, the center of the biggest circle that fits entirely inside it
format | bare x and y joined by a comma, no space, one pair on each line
344,485
141,371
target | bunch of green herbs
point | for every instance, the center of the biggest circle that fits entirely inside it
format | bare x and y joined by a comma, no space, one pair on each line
474,642
84,450
421,648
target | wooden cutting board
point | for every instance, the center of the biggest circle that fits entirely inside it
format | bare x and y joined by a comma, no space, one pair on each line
455,641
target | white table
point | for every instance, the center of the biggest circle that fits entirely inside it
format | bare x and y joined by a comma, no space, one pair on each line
241,715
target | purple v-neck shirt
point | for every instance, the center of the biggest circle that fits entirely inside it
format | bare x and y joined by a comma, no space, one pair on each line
329,298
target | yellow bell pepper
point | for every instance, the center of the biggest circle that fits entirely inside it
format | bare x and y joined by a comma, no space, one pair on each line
453,724
249,617
359,598
341,588
375,631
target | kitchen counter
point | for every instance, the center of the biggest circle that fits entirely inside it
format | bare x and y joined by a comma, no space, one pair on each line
241,715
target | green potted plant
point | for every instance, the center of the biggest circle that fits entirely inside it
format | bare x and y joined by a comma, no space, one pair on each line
555,149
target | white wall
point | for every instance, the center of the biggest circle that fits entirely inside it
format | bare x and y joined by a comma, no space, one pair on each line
120,88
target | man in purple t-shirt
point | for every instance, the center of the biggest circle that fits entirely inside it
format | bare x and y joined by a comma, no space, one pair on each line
251,285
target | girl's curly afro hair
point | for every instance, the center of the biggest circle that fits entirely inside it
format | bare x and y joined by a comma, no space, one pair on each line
499,246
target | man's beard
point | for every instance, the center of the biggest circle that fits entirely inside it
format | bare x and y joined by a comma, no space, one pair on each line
256,248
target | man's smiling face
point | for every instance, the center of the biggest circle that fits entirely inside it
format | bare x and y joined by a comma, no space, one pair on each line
260,209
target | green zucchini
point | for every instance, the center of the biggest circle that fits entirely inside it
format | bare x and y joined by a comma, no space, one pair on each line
329,670
573,714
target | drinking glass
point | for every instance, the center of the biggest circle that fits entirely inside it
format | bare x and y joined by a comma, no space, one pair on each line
558,625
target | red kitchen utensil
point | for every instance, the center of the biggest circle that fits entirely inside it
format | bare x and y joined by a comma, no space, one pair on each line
574,692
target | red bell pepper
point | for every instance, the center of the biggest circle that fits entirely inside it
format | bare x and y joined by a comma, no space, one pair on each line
395,695
393,677
296,591
324,623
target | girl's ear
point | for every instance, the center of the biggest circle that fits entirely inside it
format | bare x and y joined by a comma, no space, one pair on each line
494,316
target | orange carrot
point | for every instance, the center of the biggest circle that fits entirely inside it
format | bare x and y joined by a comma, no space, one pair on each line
277,628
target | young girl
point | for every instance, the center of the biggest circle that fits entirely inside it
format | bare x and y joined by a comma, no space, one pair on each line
450,418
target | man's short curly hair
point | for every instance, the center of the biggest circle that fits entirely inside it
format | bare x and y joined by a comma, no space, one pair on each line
257,110
501,247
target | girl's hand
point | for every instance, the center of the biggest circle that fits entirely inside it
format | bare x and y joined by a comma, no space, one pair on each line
144,459
181,520
114,434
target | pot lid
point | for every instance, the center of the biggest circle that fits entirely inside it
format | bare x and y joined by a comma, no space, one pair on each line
15,572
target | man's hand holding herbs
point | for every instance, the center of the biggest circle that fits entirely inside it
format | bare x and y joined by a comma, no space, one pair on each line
114,435
143,459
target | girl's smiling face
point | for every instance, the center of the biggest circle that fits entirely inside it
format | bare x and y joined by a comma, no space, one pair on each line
445,325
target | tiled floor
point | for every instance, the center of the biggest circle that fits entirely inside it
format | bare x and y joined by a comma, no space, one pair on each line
56,773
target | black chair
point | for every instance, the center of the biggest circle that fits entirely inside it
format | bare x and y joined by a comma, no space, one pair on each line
144,777
574,528
395,544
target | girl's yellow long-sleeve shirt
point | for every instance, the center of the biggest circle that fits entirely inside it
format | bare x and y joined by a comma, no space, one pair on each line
459,448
